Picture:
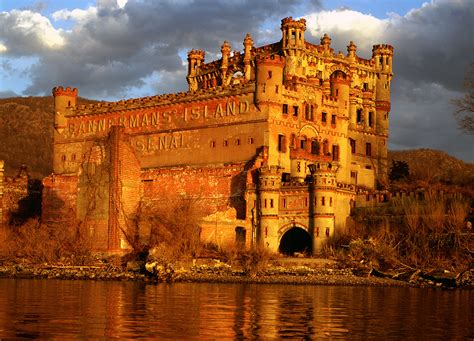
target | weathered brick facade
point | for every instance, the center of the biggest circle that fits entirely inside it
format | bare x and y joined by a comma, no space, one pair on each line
275,142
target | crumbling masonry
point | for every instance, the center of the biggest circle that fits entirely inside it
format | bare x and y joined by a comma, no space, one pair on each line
275,142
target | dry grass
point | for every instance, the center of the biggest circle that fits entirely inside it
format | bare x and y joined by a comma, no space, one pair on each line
169,227
432,234
62,242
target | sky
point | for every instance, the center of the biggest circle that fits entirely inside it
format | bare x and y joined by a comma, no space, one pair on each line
117,49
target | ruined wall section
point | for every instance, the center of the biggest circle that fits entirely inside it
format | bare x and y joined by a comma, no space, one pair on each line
218,190
12,191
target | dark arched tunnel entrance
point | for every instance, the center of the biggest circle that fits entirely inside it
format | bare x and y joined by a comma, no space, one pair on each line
296,240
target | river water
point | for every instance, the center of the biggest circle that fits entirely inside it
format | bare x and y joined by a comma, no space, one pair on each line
62,309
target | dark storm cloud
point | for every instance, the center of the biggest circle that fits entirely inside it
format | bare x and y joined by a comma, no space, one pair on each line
116,48
435,43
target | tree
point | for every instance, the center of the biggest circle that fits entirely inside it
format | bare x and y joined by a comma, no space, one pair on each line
399,170
464,113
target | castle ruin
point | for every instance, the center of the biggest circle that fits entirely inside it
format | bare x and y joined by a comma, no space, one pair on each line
275,142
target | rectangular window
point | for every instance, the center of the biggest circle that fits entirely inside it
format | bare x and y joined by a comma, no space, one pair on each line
359,116
333,120
250,140
371,119
285,108
281,143
352,142
226,143
315,147
295,110
323,201
366,86
330,201
303,143
284,203
276,89
335,153
271,203
324,117
368,149
269,74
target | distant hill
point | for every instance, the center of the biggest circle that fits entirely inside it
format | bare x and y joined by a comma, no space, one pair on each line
26,130
429,166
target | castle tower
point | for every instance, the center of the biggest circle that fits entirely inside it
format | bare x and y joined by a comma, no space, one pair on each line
269,78
382,56
325,185
248,44
64,101
268,195
195,60
293,33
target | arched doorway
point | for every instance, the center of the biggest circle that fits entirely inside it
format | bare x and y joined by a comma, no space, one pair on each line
296,240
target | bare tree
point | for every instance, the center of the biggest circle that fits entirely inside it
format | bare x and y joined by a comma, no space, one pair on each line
464,113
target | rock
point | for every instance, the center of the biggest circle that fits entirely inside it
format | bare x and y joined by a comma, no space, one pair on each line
465,279
135,265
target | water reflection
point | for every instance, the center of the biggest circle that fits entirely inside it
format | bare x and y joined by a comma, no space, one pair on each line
59,309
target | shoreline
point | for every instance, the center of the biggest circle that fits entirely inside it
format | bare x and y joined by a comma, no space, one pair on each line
223,273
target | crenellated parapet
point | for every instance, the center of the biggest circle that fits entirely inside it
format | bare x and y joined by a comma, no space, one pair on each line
274,60
68,91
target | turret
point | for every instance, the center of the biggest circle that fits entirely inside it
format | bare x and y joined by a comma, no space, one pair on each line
351,51
382,58
293,33
326,44
325,185
195,60
225,50
269,78
268,192
248,44
65,99
340,84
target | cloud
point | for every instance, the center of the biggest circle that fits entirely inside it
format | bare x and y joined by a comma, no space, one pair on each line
121,49
77,15
112,48
27,33
8,93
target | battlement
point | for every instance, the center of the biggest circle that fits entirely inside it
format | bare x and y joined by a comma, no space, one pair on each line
270,171
324,167
382,49
196,54
272,60
60,91
290,23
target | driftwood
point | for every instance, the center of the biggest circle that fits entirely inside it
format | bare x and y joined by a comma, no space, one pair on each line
414,276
